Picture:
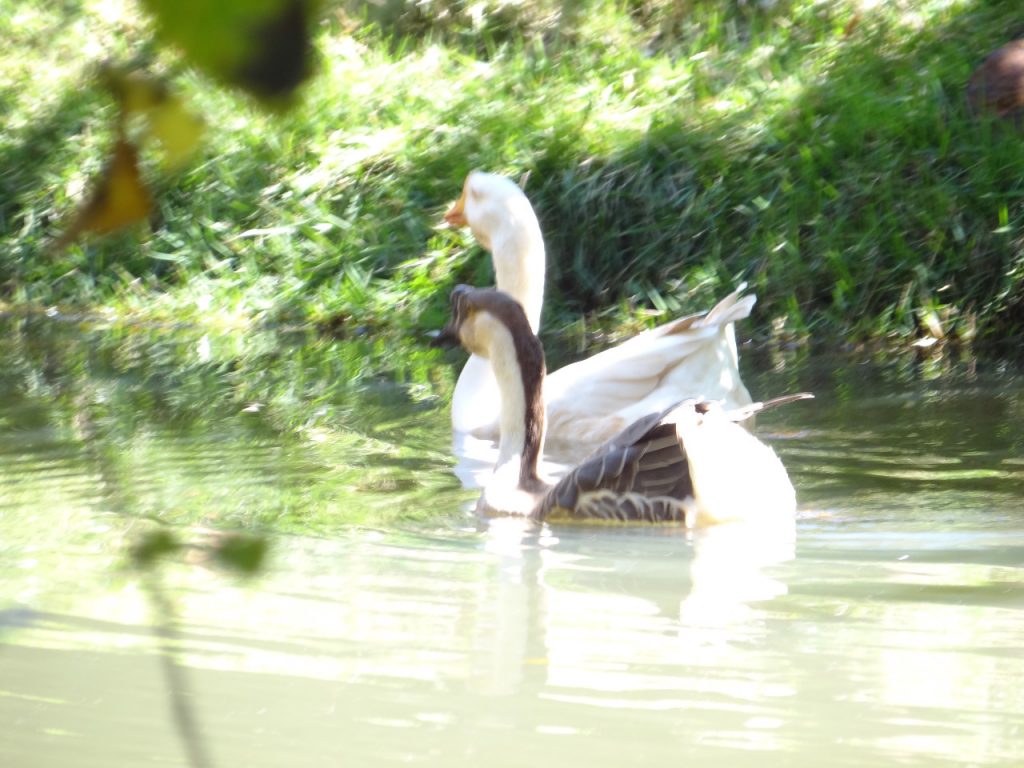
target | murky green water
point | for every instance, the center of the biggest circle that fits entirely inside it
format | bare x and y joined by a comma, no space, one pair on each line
890,633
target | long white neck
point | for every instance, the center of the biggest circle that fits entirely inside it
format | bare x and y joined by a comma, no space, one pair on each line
517,249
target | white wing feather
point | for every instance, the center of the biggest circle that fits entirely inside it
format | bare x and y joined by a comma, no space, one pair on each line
591,400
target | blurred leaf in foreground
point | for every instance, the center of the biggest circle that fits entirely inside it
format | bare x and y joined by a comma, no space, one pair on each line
242,553
167,118
118,199
262,46
177,129
153,545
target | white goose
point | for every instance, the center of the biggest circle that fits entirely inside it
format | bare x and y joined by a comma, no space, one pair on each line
589,401
690,462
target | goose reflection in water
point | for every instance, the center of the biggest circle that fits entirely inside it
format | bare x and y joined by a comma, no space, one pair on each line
609,610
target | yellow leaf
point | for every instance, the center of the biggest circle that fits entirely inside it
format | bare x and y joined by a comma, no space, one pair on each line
118,199
165,116
135,91
177,129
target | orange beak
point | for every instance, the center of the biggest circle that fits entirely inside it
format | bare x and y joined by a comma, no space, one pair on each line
456,215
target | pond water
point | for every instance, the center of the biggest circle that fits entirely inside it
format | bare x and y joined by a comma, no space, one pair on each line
390,627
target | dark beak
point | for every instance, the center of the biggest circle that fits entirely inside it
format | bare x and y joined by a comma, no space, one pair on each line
447,337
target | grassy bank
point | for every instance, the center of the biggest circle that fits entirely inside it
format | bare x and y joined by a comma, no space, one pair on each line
819,150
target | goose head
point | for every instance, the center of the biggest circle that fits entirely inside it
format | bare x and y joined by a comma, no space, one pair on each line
502,220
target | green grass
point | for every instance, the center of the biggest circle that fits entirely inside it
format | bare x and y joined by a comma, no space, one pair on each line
819,150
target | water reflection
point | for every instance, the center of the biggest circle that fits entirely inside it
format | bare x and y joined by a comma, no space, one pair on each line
462,647
884,629
252,429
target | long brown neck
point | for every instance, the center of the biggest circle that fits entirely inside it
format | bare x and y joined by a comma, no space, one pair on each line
532,369
518,361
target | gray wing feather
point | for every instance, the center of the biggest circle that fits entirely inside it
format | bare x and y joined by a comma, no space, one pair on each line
641,474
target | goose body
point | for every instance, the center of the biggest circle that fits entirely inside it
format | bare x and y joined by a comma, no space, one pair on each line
676,465
590,401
